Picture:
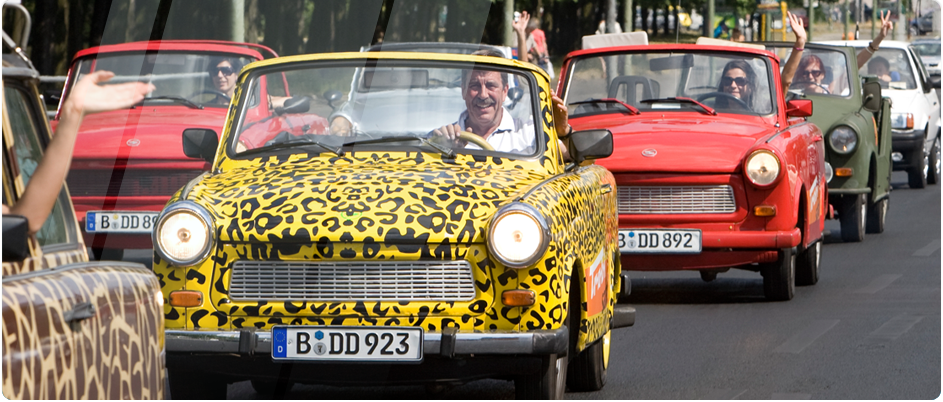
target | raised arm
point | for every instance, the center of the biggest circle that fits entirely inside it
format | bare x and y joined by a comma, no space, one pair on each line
519,28
789,69
865,54
86,98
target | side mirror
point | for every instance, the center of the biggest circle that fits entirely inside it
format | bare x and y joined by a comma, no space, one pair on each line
872,96
799,108
333,96
15,238
299,104
52,95
515,94
200,143
589,144
935,81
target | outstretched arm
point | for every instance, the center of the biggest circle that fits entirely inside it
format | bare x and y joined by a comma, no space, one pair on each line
519,26
865,54
86,98
789,70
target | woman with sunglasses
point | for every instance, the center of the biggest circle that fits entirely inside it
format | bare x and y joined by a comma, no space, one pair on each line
810,76
224,73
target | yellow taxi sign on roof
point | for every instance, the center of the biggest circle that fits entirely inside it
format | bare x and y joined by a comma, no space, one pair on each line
638,38
721,42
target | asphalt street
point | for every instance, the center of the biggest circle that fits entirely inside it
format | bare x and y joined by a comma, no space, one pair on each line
870,328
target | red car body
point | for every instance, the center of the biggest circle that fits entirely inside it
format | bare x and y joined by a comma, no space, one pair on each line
132,159
656,153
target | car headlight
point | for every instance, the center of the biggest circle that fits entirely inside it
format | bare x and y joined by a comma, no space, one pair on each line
518,235
762,167
843,140
184,234
902,121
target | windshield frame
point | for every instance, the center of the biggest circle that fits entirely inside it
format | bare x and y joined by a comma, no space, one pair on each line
775,87
251,76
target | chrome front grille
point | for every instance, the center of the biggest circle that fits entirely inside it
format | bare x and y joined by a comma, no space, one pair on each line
676,200
349,281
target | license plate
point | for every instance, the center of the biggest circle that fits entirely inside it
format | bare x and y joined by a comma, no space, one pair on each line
387,344
120,222
669,241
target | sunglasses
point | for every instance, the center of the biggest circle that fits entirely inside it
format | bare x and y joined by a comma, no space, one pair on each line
224,70
813,73
740,81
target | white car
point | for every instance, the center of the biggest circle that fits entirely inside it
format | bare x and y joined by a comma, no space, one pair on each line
915,109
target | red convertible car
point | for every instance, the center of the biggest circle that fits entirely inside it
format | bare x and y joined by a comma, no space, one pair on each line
715,170
128,163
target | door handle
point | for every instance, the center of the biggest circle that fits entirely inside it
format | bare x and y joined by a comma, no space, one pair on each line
81,311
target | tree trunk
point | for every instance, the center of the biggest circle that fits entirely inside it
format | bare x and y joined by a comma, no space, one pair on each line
99,13
43,42
254,22
319,27
75,40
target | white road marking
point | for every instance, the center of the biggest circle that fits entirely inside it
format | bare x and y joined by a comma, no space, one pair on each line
894,328
928,250
878,283
790,397
798,342
723,394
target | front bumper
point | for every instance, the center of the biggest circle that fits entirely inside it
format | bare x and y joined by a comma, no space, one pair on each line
907,143
720,250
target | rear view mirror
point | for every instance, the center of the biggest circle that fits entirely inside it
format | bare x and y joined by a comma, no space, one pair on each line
872,96
799,108
15,238
200,143
299,104
590,144
332,96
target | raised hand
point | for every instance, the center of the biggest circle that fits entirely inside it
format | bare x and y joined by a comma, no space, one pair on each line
886,26
521,24
796,24
89,97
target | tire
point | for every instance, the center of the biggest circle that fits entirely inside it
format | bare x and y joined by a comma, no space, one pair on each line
853,216
708,276
589,370
108,254
779,278
548,383
192,385
807,265
917,175
877,214
269,388
933,168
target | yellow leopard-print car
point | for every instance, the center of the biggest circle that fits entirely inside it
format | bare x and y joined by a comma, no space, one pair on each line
412,211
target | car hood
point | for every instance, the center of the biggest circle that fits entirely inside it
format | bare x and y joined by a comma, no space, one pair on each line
391,200
902,100
702,145
145,132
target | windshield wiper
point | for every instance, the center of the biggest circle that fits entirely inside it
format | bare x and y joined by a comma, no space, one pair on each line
307,139
177,99
444,150
631,109
680,99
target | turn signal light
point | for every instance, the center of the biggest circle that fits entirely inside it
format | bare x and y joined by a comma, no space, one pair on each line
844,172
518,298
765,210
186,298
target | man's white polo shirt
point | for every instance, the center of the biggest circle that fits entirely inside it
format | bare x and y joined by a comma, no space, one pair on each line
512,135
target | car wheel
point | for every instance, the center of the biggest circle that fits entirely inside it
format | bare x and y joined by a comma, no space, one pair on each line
588,372
807,265
108,254
708,276
917,175
548,383
933,168
269,388
193,385
852,216
779,278
877,214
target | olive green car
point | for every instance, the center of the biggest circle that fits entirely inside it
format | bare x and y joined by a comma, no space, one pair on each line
856,121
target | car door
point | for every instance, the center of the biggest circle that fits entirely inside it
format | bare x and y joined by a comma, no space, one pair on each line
927,93
72,329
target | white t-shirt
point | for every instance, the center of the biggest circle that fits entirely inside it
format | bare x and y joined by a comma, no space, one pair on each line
514,136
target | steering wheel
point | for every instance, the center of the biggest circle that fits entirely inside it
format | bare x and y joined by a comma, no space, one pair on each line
723,95
476,139
211,92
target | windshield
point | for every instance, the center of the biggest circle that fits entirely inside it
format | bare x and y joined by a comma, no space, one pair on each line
204,79
729,83
928,49
892,68
392,104
820,72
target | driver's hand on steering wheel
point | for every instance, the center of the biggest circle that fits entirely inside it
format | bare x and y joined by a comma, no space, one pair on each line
452,132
